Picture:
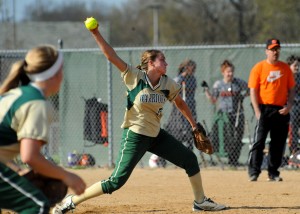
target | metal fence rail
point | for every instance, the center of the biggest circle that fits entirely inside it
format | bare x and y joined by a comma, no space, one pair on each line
88,76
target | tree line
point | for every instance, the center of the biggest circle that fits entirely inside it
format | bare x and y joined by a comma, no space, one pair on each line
184,22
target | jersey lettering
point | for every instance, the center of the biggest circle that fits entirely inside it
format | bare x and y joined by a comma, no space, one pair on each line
152,98
227,93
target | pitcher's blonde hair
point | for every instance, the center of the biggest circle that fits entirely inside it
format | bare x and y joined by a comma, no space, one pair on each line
146,56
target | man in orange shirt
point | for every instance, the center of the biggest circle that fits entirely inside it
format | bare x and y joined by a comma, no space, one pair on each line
271,84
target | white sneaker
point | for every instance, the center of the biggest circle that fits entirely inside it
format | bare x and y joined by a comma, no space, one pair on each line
66,205
208,205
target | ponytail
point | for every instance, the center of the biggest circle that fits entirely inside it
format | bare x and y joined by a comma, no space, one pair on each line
15,77
37,60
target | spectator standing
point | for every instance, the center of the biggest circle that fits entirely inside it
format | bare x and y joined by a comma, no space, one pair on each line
293,62
230,93
177,124
271,84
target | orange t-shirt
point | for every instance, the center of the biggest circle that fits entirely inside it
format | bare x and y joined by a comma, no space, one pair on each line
272,81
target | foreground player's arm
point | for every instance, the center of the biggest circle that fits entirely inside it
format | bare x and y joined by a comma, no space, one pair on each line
30,154
254,101
184,109
108,51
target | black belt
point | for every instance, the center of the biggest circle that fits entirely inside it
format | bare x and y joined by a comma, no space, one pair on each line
270,106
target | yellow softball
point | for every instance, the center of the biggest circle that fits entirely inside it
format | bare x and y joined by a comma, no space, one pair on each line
91,23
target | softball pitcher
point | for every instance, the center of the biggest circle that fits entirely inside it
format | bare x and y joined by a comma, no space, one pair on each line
148,89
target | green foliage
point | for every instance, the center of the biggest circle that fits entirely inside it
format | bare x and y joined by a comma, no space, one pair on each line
186,22
278,19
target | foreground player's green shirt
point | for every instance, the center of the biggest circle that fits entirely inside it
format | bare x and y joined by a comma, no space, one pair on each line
145,102
22,115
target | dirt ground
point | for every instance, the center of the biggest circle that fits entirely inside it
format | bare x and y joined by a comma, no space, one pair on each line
168,191
164,191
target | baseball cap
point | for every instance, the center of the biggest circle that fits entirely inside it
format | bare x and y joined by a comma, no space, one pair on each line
271,43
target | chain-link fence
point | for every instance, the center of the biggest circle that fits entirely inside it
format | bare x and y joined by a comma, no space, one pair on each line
86,115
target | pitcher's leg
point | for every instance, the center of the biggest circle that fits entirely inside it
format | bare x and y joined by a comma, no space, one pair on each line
133,148
196,183
130,152
174,151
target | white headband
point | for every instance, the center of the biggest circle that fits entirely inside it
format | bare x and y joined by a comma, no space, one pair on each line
50,72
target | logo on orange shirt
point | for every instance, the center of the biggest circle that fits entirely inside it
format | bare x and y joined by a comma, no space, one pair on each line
274,75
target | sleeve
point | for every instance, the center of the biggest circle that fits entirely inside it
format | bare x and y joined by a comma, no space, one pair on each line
33,121
130,77
254,77
215,89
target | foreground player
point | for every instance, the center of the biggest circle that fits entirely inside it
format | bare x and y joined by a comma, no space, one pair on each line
148,88
23,130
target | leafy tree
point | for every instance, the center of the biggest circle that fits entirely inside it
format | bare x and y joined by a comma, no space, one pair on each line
64,12
277,19
186,22
130,24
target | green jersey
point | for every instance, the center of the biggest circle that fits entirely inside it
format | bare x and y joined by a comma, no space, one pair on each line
145,102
